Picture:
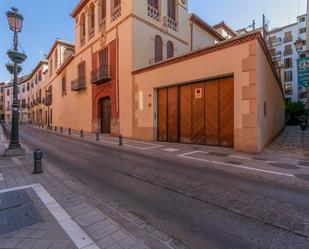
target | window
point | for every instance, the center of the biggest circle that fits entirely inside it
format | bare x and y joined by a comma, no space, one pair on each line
91,20
288,50
170,49
50,67
117,3
81,71
288,36
302,30
82,29
102,12
288,63
103,57
24,88
8,92
288,89
158,49
171,9
18,90
288,76
116,9
302,19
154,3
40,75
56,58
28,86
64,86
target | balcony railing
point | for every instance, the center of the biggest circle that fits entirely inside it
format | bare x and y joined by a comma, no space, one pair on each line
154,13
170,23
288,92
116,12
82,41
274,42
102,25
91,33
276,53
35,102
101,74
78,84
23,106
288,39
39,100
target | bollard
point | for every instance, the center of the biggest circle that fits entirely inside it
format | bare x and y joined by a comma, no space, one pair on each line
55,128
70,131
81,133
61,129
97,137
120,140
37,156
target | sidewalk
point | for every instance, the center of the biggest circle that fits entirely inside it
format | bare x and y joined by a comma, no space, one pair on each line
55,211
285,161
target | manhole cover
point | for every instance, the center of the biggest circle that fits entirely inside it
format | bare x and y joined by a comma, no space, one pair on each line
284,165
17,211
303,177
219,154
304,163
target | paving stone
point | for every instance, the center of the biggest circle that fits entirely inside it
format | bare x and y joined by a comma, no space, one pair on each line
106,242
11,243
119,235
38,234
128,242
43,244
27,243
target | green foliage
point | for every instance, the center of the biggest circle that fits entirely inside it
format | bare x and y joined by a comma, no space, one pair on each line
295,113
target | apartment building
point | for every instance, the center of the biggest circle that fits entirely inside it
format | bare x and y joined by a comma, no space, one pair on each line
136,67
281,45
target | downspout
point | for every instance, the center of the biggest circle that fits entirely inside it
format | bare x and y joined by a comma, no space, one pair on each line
191,24
117,78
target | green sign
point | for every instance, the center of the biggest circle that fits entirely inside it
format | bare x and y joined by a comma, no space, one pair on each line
303,72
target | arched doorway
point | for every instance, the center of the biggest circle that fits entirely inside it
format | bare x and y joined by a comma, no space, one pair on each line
105,110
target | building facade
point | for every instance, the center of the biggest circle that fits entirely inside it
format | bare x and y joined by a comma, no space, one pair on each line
281,44
132,61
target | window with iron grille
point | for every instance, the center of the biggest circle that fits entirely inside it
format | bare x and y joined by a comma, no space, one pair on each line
288,63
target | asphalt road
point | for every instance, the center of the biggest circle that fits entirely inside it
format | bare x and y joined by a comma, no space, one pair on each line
156,190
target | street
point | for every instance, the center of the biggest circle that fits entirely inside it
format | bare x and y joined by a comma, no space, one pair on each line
202,208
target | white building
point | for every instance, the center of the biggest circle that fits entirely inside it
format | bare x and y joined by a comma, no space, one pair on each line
281,44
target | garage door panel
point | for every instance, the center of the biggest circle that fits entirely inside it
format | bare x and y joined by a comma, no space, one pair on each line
226,112
162,115
212,112
172,133
198,120
185,114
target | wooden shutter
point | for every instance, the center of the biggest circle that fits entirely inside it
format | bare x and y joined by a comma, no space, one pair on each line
212,112
185,113
103,57
103,9
94,61
172,114
226,112
162,115
116,3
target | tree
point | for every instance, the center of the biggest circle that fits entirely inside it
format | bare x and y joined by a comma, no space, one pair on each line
295,112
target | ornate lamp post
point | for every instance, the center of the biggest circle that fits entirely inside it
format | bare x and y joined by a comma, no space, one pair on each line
15,21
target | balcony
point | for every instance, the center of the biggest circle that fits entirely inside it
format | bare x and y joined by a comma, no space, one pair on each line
102,25
170,23
39,100
91,33
101,75
116,12
288,39
78,84
23,106
35,102
274,42
82,41
154,13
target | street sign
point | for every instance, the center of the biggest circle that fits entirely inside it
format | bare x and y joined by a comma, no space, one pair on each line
303,72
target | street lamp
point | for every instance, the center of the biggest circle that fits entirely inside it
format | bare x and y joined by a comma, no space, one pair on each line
15,21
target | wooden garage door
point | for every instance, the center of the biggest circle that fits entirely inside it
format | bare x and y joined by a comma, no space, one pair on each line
226,89
199,113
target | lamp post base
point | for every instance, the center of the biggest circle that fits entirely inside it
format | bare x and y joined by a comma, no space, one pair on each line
11,152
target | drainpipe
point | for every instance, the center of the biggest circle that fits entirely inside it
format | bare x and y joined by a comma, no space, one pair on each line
117,77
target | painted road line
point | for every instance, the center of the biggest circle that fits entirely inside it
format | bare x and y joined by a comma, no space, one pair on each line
170,150
187,155
143,148
79,237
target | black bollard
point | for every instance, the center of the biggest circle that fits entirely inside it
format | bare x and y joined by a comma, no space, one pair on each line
81,133
120,140
97,137
61,129
37,156
55,128
70,131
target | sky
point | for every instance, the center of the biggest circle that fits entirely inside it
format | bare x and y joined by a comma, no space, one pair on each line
46,20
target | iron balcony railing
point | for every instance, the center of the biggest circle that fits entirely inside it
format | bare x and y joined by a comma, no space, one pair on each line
101,74
78,84
170,23
154,13
116,12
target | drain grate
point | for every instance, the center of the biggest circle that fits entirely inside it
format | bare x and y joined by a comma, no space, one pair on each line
17,211
284,165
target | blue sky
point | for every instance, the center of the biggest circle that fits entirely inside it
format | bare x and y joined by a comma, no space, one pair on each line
45,20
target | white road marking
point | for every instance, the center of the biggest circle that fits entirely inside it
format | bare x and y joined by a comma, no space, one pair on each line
187,155
72,229
143,148
170,150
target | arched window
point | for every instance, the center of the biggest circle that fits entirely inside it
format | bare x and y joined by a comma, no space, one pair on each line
82,29
158,49
154,3
91,20
170,49
171,9
102,11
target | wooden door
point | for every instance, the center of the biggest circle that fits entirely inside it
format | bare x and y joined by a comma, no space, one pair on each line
172,127
198,119
162,115
212,112
185,114
226,95
106,115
